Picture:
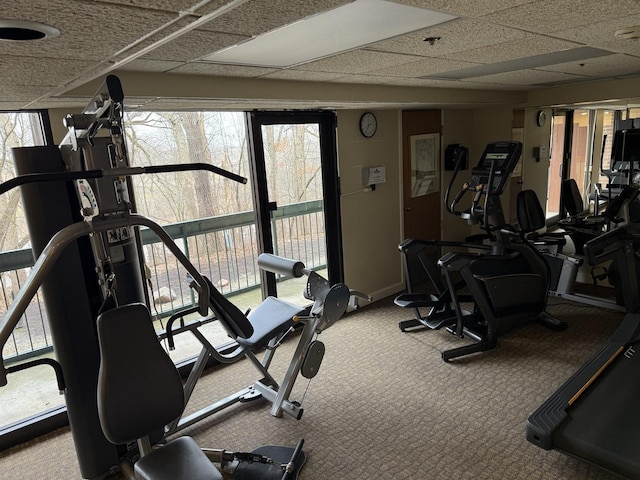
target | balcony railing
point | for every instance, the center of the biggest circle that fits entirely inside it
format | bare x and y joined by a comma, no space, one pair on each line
222,248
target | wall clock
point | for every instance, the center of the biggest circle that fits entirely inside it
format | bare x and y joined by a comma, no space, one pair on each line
541,118
368,124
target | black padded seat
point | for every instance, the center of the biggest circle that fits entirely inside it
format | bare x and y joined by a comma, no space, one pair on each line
531,218
572,198
254,331
269,318
180,459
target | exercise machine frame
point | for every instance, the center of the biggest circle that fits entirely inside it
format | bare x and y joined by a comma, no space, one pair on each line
94,178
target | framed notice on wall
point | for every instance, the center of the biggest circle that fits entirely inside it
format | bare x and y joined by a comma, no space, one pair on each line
425,164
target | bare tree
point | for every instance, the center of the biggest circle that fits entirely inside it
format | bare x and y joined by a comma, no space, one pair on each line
14,132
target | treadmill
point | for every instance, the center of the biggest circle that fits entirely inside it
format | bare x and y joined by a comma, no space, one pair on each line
595,415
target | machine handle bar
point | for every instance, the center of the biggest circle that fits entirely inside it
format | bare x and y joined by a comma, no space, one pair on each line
42,361
57,245
115,172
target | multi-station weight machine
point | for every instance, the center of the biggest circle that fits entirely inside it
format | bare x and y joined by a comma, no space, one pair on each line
80,211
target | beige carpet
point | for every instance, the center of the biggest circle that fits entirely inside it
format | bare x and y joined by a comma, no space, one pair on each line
385,406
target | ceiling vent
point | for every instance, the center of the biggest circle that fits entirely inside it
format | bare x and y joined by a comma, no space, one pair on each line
628,33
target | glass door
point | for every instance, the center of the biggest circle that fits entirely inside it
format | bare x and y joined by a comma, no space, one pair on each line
556,164
571,144
295,179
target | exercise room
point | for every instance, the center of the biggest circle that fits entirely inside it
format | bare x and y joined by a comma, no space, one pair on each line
327,239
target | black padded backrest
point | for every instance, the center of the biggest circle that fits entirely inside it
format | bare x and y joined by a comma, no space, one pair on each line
616,205
139,388
529,211
226,312
572,198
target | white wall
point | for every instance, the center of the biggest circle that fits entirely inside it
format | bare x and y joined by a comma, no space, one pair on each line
371,221
535,174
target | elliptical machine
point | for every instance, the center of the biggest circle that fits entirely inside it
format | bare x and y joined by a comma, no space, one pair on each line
509,283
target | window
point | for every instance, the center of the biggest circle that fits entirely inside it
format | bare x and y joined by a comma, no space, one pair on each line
38,385
571,156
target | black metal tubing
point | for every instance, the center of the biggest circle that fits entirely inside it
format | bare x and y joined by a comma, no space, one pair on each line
86,174
294,458
42,361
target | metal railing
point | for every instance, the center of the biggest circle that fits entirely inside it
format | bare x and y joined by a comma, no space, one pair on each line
223,248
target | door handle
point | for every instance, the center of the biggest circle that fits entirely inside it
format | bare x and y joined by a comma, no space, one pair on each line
407,209
272,206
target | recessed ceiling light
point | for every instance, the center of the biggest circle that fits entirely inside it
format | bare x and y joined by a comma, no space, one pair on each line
22,30
354,25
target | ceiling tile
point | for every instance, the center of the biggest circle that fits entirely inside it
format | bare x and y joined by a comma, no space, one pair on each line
257,16
304,75
524,77
88,30
166,5
161,36
547,16
465,8
357,61
423,67
455,36
363,79
144,65
22,93
193,45
51,71
602,35
609,66
222,70
528,46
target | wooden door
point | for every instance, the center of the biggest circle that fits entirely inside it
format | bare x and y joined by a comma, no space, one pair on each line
421,213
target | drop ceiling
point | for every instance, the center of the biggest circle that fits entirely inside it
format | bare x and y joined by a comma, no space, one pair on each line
491,49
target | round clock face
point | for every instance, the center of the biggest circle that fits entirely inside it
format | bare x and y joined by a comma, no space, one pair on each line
541,118
368,124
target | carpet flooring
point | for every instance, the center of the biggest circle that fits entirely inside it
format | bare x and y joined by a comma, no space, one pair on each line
385,406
